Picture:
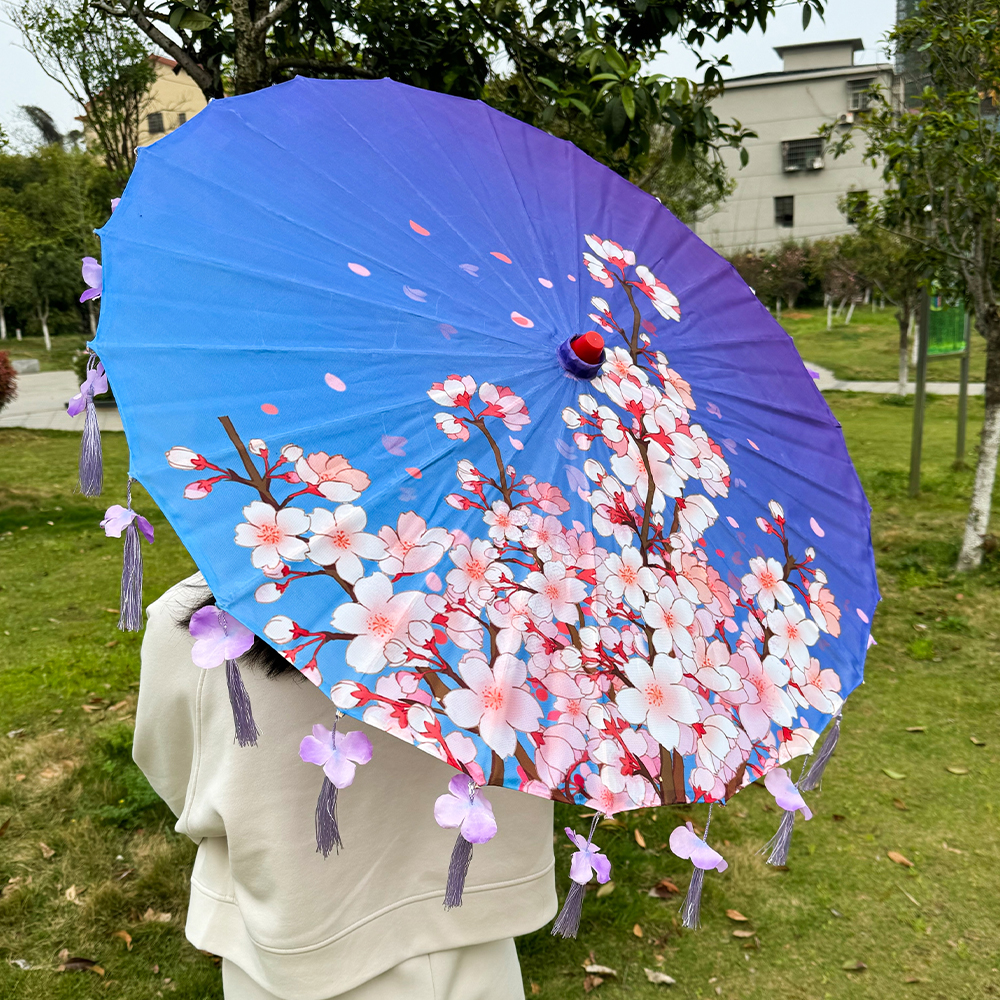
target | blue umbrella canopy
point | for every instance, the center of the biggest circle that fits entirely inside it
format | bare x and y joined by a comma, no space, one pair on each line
341,322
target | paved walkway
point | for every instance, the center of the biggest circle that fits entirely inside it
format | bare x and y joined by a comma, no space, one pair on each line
828,382
41,401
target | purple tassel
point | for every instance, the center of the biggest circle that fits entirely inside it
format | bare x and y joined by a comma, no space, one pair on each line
781,842
815,773
461,858
130,616
91,459
592,862
327,828
568,922
691,908
246,728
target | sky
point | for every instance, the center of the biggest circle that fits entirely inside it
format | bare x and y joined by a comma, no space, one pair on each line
22,82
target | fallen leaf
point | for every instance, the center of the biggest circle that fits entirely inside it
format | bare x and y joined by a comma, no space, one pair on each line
124,875
660,978
836,913
121,704
742,933
640,839
91,708
895,775
837,818
954,850
591,982
15,733
900,804
915,729
957,770
664,889
908,896
975,741
77,964
855,966
900,859
152,917
605,890
600,970
3,829
535,989
20,963
20,777
637,931
47,852
73,894
126,937
112,611
736,915
111,645
914,979
63,955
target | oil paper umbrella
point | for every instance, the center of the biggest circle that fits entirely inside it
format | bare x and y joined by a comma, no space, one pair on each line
374,400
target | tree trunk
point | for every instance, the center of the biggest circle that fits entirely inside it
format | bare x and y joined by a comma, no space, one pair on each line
43,318
850,313
92,318
829,315
914,342
904,333
3,324
777,308
978,522
250,72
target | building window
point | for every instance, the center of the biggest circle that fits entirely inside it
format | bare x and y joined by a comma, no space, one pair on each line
181,118
154,122
856,204
802,154
784,211
858,97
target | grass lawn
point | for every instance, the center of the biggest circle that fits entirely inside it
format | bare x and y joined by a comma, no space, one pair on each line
868,349
68,680
59,359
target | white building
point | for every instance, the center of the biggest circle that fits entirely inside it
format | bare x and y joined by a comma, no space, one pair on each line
791,186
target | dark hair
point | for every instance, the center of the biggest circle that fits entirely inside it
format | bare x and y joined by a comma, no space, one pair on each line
260,655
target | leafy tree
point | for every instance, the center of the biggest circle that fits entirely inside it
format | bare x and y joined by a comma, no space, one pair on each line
573,67
103,65
941,161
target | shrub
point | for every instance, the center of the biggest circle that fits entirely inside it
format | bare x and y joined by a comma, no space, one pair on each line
8,380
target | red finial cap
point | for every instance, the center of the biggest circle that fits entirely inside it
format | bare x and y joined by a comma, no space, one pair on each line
589,347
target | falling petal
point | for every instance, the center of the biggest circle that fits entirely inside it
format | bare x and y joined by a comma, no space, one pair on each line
415,472
334,383
406,494
714,410
571,278
565,449
394,445
817,530
269,408
447,330
419,229
733,521
752,445
862,615
521,320
433,581
545,283
648,326
730,445
501,256
360,269
740,482
472,269
577,480
415,293
519,445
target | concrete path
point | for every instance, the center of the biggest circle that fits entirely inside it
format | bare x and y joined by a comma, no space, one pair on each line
41,401
827,382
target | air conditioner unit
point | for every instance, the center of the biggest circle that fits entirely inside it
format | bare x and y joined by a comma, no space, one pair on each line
817,164
847,118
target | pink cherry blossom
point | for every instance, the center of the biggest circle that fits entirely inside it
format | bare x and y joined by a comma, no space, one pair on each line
495,701
601,798
376,618
766,583
339,541
546,536
180,457
456,390
819,688
669,617
823,608
557,592
793,634
503,403
658,699
664,301
597,270
337,753
562,746
505,524
412,547
273,534
332,476
764,699
471,566
452,426
711,666
625,576
610,251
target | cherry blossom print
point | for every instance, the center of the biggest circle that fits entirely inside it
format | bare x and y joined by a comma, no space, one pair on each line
466,809
763,698
471,567
587,861
625,576
503,403
394,445
787,796
766,583
816,529
335,383
685,843
670,616
658,699
339,754
545,283
339,540
330,476
501,256
818,688
824,609
793,634
417,294
557,592
412,547
456,390
417,228
664,301
521,320
610,251
505,524
376,618
495,700
359,269
269,408
274,535
861,615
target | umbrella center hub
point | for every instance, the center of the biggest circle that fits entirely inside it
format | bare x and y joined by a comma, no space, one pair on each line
582,356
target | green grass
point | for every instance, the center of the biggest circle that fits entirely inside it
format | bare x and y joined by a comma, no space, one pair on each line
868,349
936,666
59,359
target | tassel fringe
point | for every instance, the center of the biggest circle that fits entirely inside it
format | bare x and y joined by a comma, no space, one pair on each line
568,922
461,858
327,827
246,728
130,616
91,459
814,776
781,842
691,907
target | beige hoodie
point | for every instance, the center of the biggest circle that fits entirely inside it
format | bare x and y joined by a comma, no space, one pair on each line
303,927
